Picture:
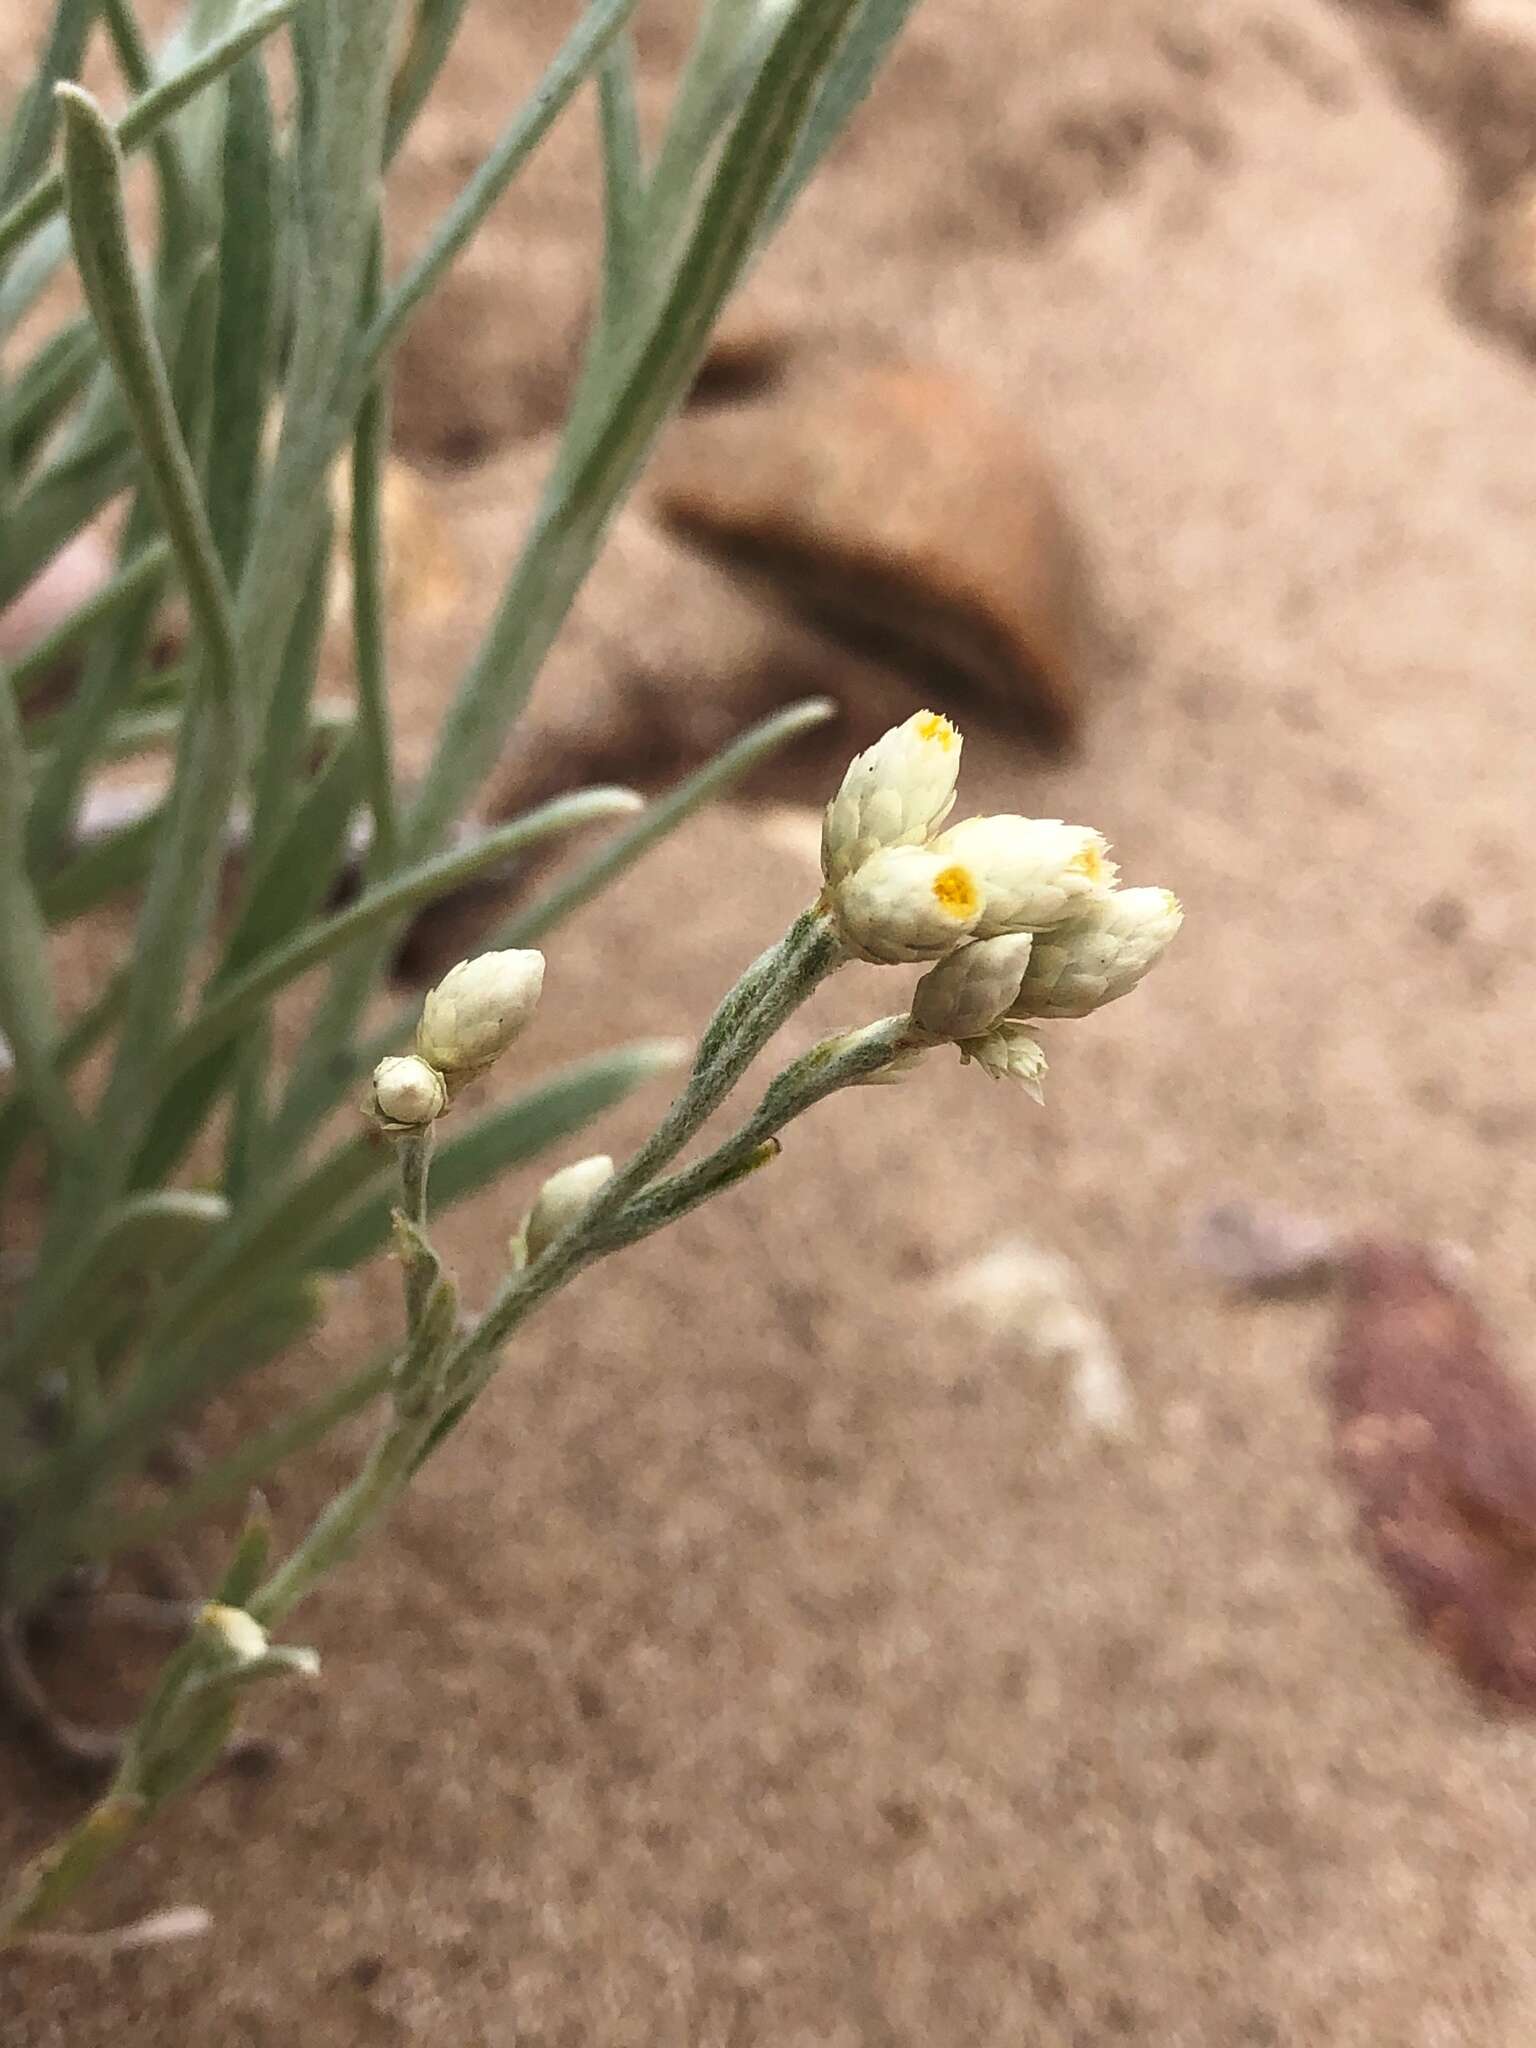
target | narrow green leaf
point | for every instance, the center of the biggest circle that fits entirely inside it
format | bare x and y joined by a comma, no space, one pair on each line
278,771
623,179
527,129
432,33
596,470
370,449
231,1008
28,1013
248,1565
873,31
108,867
150,1235
143,571
31,129
663,818
658,820
301,865
99,229
46,389
249,256
146,116
229,1477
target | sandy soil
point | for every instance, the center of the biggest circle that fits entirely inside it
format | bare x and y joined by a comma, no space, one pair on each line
775,1663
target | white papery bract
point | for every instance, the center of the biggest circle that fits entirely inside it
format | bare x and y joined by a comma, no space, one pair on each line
1034,872
896,793
966,994
476,1011
1009,1052
904,904
564,1197
1100,955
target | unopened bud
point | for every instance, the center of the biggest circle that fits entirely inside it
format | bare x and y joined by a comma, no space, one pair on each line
407,1093
240,1634
896,793
1100,955
476,1011
906,903
966,994
564,1198
1033,872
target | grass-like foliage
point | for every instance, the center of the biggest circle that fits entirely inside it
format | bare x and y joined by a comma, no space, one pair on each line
196,1191
198,393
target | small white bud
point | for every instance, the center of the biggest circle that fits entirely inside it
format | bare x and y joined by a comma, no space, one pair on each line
407,1093
237,1632
1100,955
1034,872
476,1011
1009,1052
896,793
966,994
906,903
564,1197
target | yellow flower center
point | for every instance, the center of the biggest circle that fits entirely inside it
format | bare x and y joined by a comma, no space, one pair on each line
1089,861
936,727
956,892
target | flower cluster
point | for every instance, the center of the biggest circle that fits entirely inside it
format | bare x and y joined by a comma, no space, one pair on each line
1020,916
467,1022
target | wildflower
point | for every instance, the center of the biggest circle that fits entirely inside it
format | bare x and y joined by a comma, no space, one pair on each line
1100,955
966,994
476,1011
906,903
1009,1052
896,793
1034,872
564,1198
407,1093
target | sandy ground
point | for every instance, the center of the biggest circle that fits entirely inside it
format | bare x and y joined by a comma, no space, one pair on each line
775,1663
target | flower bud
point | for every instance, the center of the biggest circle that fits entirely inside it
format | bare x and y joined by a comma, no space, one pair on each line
1100,955
906,903
1009,1052
407,1093
896,793
476,1011
966,994
564,1197
240,1635
1034,872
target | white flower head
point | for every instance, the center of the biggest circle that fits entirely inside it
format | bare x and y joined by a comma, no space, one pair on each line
476,1011
906,903
1009,1052
966,994
564,1197
407,1093
1100,955
240,1635
1034,872
896,793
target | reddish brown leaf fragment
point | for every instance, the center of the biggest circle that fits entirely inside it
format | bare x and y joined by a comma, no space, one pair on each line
1439,1444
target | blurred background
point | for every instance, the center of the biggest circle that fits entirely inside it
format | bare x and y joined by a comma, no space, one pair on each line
922,1602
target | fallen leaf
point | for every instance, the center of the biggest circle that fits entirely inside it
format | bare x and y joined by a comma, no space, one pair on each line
1439,1445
